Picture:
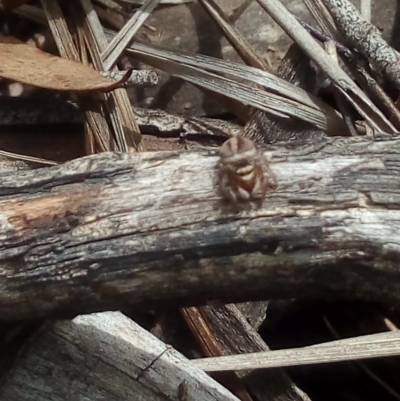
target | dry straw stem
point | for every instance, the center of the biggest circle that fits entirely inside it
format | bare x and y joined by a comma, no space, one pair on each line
319,12
353,61
26,158
341,101
293,28
122,39
96,122
238,42
224,320
365,10
283,99
362,365
366,38
363,347
127,133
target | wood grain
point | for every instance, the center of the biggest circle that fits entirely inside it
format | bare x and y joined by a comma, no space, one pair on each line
149,230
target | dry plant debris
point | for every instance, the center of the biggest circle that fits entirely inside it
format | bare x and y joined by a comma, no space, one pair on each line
271,108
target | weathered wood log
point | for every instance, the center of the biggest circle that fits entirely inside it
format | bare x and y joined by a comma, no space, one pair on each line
105,356
149,230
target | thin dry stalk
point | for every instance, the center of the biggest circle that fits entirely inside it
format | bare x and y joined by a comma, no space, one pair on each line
363,347
25,158
291,100
325,21
363,367
97,127
122,39
366,38
350,90
341,101
238,42
352,61
127,132
365,10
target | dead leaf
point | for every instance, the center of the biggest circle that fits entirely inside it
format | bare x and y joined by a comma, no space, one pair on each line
9,5
30,65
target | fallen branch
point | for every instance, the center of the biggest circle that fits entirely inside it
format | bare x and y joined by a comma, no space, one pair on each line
105,356
111,230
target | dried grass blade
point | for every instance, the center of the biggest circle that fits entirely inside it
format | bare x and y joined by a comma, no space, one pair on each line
96,123
325,21
238,42
353,62
294,102
363,347
126,130
247,94
121,40
25,158
374,117
236,71
362,366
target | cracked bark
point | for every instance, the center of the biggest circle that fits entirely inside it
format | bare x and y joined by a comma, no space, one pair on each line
111,230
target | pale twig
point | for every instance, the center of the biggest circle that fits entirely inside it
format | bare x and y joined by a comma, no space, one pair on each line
25,158
353,61
390,325
362,366
121,40
365,10
366,38
363,347
350,90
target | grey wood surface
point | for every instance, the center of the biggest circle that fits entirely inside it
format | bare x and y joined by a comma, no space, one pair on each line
112,230
105,356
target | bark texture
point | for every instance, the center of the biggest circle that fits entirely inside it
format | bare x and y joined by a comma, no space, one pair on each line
150,230
105,356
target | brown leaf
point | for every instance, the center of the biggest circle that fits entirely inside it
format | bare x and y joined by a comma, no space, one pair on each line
9,5
27,64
